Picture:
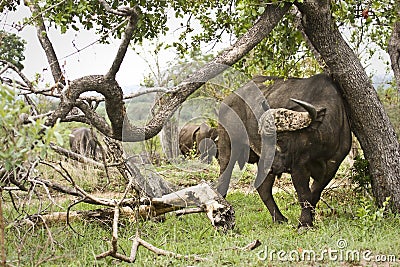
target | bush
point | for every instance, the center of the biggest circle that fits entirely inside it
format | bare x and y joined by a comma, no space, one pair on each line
19,140
360,175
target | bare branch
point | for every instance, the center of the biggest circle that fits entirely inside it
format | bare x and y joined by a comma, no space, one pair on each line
46,92
130,96
137,240
75,156
9,65
123,46
102,37
122,11
46,44
94,119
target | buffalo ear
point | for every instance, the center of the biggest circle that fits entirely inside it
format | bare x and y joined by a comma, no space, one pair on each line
320,114
264,105
213,133
319,118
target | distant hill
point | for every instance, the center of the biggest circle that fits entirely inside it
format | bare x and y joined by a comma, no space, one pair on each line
128,89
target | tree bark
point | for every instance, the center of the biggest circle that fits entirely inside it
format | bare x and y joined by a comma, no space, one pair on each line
46,44
368,119
169,139
394,49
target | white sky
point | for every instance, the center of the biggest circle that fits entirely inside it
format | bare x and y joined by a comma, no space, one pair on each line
95,59
98,58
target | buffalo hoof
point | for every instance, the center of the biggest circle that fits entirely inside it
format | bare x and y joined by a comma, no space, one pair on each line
304,227
280,220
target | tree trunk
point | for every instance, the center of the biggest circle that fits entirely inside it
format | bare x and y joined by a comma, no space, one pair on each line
394,49
169,139
368,119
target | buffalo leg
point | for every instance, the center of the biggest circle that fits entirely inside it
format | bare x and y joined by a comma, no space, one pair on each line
225,177
319,185
265,192
226,164
301,180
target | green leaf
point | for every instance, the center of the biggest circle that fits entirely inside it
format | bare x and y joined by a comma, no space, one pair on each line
59,138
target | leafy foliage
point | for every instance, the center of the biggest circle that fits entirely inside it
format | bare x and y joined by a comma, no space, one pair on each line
368,215
360,173
283,53
8,5
21,142
12,48
369,22
73,14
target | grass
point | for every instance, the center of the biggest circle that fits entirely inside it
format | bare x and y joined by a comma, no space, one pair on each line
347,222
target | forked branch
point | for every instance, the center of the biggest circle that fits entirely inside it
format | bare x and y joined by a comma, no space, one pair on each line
136,242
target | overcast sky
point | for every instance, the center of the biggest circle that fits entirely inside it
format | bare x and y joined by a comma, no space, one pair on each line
97,59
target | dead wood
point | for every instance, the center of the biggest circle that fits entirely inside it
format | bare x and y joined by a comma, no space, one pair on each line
199,198
251,246
153,185
218,210
69,154
136,242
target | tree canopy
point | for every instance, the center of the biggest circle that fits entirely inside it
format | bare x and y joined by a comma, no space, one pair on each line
12,49
203,23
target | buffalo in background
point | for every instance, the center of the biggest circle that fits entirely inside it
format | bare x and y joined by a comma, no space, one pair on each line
82,141
200,139
314,151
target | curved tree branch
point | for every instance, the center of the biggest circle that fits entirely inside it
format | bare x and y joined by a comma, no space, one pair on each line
170,102
122,11
106,85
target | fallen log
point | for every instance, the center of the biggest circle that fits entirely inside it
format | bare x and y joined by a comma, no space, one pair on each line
218,210
202,196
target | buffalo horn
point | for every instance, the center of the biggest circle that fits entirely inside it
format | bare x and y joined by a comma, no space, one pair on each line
307,106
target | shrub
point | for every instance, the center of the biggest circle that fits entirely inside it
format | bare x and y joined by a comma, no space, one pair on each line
360,175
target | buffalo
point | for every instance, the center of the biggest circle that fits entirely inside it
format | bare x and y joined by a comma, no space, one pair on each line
200,139
315,149
83,142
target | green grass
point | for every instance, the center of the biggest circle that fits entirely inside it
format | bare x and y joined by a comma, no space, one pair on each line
344,215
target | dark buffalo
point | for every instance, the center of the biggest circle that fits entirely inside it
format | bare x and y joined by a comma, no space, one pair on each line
314,151
199,138
82,141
